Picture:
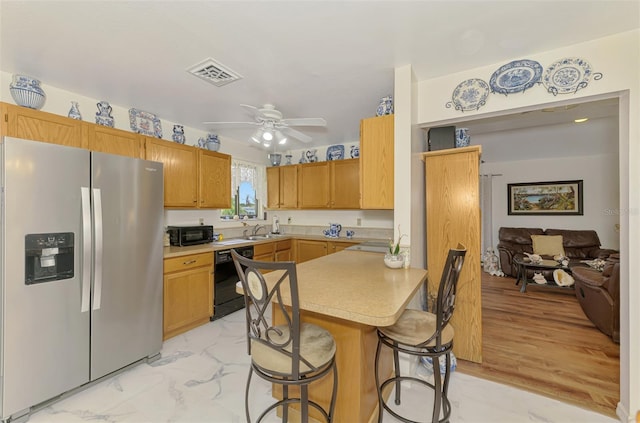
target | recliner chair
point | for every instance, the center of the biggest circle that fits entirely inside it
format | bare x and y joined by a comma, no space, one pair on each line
599,295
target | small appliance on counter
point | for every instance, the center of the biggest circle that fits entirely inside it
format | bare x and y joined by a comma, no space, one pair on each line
182,236
275,225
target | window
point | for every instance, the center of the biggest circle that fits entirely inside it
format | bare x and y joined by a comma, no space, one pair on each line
247,190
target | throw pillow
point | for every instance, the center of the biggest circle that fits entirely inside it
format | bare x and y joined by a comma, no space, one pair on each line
547,245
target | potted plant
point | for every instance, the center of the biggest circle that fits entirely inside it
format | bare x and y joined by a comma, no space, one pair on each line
394,259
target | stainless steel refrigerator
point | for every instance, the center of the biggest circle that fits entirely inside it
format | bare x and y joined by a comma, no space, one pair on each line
81,268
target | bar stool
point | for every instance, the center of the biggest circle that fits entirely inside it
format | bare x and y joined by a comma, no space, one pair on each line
424,334
289,354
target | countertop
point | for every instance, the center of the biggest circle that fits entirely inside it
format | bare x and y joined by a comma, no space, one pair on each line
357,288
224,245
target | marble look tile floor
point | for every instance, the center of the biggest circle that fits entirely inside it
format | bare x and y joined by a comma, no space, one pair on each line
201,378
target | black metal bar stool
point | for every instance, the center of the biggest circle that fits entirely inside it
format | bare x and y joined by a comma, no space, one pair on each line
424,334
289,354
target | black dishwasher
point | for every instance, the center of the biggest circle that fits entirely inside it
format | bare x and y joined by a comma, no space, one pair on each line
225,298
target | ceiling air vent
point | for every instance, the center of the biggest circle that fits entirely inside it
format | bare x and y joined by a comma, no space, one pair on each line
214,73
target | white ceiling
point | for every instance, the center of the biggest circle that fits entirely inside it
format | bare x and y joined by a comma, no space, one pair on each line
329,59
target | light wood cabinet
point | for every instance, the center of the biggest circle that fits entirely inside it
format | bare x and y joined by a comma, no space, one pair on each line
29,124
214,184
283,250
313,180
282,187
376,162
180,171
115,141
345,184
452,217
188,293
264,251
310,249
193,178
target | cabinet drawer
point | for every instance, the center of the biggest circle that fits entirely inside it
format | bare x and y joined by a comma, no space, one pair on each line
192,261
263,249
283,245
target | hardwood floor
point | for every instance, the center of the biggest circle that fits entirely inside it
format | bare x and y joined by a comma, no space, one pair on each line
542,342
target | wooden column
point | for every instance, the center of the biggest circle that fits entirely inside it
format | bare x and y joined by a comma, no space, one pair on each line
453,216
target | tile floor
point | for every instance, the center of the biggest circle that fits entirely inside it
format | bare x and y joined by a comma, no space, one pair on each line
201,377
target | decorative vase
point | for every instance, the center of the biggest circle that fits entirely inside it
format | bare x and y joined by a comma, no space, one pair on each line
288,157
355,151
178,134
103,116
393,261
74,112
275,159
211,143
26,92
462,137
385,107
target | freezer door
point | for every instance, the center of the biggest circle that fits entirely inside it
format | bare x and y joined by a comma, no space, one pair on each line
45,335
126,323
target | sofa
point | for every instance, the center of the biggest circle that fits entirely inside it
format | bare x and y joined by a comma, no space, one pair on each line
578,245
598,293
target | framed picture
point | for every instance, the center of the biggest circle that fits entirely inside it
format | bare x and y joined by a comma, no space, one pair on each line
545,198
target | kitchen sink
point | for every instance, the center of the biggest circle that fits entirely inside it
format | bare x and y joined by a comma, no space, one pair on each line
261,237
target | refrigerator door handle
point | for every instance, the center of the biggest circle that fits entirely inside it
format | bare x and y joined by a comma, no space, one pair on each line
86,249
97,260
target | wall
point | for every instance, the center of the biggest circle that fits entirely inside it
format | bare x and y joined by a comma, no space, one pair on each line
618,58
586,151
600,176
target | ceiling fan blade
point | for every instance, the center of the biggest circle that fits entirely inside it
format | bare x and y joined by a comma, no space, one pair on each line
304,122
251,109
231,124
296,134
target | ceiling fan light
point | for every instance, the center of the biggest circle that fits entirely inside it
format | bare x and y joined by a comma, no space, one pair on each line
267,136
280,137
267,143
257,136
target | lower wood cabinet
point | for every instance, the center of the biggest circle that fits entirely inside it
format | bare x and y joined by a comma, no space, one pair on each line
188,293
310,249
273,251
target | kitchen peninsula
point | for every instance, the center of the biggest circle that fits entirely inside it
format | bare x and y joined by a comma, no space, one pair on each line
350,293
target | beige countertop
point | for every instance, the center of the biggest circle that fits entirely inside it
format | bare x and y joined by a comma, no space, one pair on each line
355,286
216,246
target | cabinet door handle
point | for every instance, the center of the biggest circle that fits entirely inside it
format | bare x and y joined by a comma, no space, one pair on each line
189,262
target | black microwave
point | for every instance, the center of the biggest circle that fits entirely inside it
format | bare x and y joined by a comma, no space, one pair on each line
190,235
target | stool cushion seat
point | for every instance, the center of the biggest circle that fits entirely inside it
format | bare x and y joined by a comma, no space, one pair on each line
414,327
317,346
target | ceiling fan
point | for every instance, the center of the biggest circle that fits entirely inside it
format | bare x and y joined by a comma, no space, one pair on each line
271,126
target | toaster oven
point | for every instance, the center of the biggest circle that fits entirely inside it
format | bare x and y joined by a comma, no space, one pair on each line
190,235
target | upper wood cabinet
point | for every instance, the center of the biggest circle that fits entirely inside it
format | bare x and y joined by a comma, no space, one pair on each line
376,162
193,177
214,183
25,123
180,171
115,141
313,188
282,187
345,184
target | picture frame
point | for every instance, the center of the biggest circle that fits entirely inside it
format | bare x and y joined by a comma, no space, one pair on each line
546,198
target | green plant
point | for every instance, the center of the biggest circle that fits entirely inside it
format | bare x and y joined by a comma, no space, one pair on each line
395,248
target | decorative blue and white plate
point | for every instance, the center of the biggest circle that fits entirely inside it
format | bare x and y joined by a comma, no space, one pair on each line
335,152
567,76
469,95
145,123
516,76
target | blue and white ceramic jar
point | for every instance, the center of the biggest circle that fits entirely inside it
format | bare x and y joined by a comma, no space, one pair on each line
26,92
385,107
462,137
178,134
74,112
103,116
355,151
211,143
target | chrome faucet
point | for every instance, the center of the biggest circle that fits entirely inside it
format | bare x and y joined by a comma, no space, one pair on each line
257,228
